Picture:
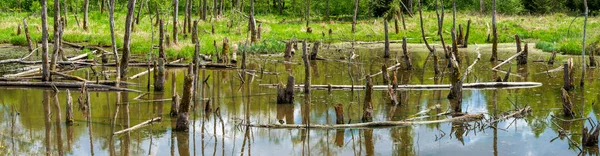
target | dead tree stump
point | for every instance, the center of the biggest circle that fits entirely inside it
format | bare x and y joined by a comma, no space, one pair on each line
466,39
552,57
436,67
315,50
368,104
590,138
27,37
259,32
406,56
159,80
174,105
183,122
306,67
568,107
460,35
69,108
568,75
384,74
522,59
456,85
285,95
592,59
289,49
339,114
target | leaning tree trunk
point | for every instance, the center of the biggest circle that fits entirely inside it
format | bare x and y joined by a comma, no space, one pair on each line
495,33
111,9
423,29
127,37
45,65
85,14
175,13
354,17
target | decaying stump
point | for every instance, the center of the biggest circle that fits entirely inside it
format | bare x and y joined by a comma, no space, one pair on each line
69,109
306,67
368,104
406,56
436,68
339,114
522,59
592,59
315,50
225,52
384,74
259,32
552,57
27,37
289,49
386,49
183,122
466,39
568,107
590,137
457,84
159,80
460,35
285,95
568,74
174,105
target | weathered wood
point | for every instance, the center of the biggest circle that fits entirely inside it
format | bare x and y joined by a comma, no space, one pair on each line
259,32
467,86
368,103
339,114
457,85
386,49
69,76
159,80
460,35
289,49
315,50
69,116
518,113
466,39
494,33
74,85
376,124
422,28
175,23
45,66
407,62
590,137
306,67
127,38
568,75
285,95
385,75
183,122
354,21
436,66
552,57
174,105
27,36
508,59
140,125
568,107
19,59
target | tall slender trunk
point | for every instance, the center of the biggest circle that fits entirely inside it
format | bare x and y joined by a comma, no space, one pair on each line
175,13
111,8
422,28
127,36
102,6
137,17
494,33
185,17
583,44
204,9
252,23
189,19
65,9
85,14
354,17
57,29
45,65
440,17
308,13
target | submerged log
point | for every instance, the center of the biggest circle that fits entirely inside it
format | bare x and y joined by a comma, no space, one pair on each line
145,123
339,114
508,60
286,95
376,124
467,86
60,85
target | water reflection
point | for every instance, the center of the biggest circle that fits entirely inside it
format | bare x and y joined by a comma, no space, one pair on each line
224,100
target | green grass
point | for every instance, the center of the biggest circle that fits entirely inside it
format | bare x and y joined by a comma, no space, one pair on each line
544,30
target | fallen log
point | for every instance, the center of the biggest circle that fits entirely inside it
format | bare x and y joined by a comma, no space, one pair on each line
517,113
151,69
376,124
69,76
157,119
19,59
472,86
75,85
507,60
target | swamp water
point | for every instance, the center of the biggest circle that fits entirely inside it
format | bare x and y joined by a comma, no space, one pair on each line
30,123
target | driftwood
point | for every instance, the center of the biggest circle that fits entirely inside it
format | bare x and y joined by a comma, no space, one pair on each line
508,60
517,113
19,59
157,119
75,85
473,86
69,76
375,124
151,69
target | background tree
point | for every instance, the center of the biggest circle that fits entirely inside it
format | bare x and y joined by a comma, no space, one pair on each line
127,37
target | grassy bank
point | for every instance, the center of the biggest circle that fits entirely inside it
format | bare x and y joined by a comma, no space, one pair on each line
550,32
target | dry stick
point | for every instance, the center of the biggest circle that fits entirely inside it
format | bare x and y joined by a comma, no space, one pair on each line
375,124
473,64
157,119
19,59
507,60
516,113
29,43
69,76
389,69
63,85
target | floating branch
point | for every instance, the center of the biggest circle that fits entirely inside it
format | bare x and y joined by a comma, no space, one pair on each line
517,113
157,119
472,86
75,85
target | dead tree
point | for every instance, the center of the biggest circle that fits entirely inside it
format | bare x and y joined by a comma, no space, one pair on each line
436,67
185,17
45,63
174,105
522,59
175,25
339,114
27,37
568,107
568,75
495,33
581,83
285,95
368,104
259,32
552,57
159,80
466,39
57,38
289,49
111,9
183,122
306,67
252,23
406,56
315,50
457,84
355,15
423,29
137,17
127,37
440,18
386,49
85,14
69,109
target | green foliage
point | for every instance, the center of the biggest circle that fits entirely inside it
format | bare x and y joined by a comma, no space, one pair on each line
572,47
545,46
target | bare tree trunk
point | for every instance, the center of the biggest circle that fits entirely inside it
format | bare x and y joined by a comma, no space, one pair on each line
65,9
252,23
175,13
494,33
354,17
368,104
306,67
160,76
184,108
440,17
57,39
204,9
423,29
45,64
27,37
386,49
102,6
308,14
127,36
186,16
85,14
111,9
583,45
